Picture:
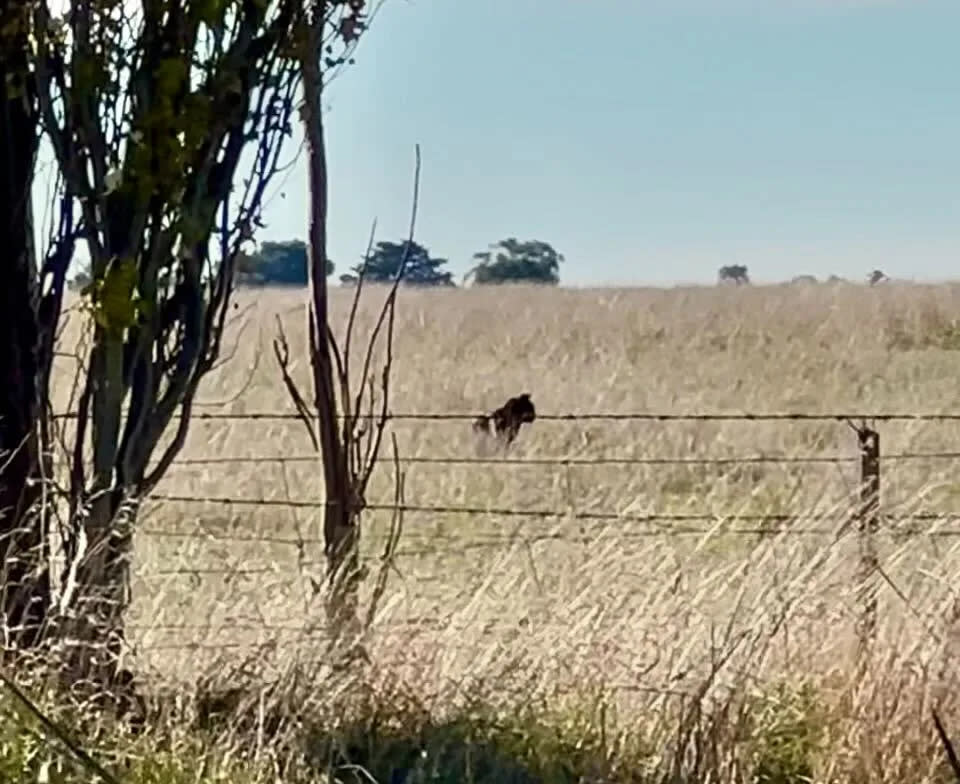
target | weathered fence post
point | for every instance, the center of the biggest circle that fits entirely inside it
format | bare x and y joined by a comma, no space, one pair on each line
868,524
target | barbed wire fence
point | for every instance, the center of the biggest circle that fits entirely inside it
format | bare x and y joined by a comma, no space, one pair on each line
867,521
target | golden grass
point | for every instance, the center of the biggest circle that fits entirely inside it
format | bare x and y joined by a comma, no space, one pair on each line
559,609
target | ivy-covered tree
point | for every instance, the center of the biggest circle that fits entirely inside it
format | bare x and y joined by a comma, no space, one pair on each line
149,108
515,261
276,264
388,258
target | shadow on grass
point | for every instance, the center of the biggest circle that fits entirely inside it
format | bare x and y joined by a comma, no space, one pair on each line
461,749
396,740
249,737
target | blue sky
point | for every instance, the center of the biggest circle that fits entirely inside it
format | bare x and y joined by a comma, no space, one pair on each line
653,141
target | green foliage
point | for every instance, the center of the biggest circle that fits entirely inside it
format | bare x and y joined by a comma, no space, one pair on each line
28,753
788,733
379,742
115,303
477,744
515,261
734,273
387,258
276,264
166,120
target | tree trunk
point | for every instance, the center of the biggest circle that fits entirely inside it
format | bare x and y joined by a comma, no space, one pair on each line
101,573
23,546
341,535
103,585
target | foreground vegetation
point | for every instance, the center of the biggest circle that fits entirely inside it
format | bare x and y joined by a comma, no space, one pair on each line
559,648
779,736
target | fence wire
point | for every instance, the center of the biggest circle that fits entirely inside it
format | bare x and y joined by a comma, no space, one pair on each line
611,524
284,416
667,522
585,461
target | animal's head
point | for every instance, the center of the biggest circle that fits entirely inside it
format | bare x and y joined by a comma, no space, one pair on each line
523,408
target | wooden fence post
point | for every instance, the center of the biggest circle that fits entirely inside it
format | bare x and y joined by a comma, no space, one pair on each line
868,524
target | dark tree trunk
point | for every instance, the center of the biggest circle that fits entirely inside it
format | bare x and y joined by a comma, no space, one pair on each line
103,577
23,546
341,534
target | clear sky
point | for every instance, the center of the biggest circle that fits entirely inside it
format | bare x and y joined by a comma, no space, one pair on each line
653,141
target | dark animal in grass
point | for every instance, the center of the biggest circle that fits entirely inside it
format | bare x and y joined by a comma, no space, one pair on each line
507,419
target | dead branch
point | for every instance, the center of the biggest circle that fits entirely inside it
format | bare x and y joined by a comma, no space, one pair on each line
947,746
55,731
388,557
364,466
358,447
281,350
391,299
352,318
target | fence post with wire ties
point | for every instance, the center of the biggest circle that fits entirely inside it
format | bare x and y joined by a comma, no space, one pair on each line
868,525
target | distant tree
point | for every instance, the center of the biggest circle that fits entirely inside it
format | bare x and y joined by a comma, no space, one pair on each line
734,273
515,261
388,257
876,277
276,264
805,279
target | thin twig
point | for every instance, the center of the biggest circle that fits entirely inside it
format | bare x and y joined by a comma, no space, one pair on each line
58,732
392,296
387,560
281,350
348,434
388,313
351,321
947,745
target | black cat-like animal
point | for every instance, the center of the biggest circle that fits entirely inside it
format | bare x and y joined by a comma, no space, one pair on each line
507,419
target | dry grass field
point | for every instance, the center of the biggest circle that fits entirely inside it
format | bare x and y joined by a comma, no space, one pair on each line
568,613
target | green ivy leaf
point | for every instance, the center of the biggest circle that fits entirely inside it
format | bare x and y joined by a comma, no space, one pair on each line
115,303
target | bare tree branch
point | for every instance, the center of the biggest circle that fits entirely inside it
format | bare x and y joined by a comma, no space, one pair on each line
281,350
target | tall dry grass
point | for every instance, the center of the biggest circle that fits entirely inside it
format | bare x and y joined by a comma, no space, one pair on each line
564,614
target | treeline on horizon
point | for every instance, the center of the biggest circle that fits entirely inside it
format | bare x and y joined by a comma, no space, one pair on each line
508,261
511,260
